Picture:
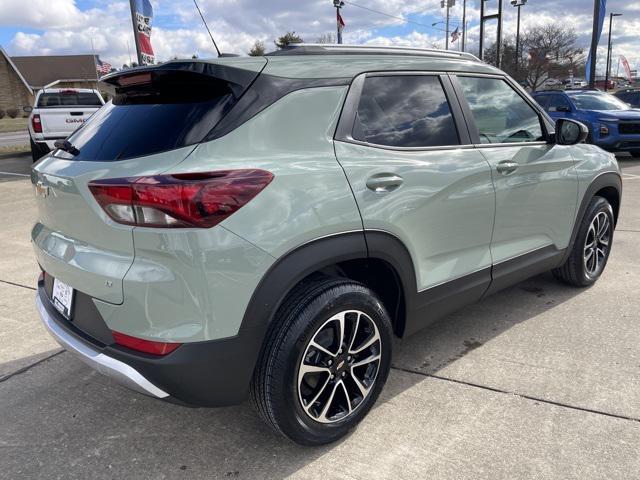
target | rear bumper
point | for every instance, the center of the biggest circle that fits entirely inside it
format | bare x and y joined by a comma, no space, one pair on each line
119,371
211,373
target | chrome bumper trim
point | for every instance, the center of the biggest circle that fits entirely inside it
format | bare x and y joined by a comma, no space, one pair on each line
119,371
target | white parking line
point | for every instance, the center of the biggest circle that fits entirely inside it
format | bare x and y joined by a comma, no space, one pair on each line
16,174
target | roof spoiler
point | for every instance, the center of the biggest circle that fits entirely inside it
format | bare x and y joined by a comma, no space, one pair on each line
238,78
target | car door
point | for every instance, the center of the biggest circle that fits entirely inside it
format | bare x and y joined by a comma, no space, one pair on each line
415,175
535,181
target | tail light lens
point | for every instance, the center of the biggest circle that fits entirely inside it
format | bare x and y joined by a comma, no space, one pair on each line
146,346
196,200
36,123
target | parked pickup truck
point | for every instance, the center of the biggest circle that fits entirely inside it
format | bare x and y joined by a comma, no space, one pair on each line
57,113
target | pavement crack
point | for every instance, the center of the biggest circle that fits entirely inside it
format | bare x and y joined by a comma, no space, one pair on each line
18,285
29,367
521,395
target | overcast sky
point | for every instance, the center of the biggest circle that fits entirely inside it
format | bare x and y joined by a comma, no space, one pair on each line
34,27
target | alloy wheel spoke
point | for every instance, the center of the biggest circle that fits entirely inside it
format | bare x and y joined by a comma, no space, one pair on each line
341,326
366,361
363,389
315,398
367,343
317,346
354,333
305,368
346,394
325,409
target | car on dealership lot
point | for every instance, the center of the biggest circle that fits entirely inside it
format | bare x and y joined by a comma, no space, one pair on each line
264,226
630,96
613,124
57,113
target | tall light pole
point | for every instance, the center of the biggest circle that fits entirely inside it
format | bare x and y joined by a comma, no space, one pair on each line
464,23
518,4
447,4
606,75
483,19
338,4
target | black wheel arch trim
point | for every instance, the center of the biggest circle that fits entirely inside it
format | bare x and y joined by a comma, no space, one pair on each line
602,181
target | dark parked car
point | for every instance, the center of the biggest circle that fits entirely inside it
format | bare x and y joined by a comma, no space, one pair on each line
630,96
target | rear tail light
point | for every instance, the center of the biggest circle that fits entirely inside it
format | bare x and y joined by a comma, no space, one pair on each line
146,346
36,123
180,200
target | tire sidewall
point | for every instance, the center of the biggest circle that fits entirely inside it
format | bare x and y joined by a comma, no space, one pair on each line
290,414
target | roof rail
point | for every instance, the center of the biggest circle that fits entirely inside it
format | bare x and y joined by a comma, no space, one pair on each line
341,49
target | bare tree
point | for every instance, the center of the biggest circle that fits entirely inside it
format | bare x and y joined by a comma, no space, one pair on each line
326,38
552,52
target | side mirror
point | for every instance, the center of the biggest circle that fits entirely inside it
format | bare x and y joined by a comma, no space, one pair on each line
563,108
570,132
27,109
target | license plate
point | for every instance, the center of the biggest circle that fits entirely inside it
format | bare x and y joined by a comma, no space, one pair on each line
62,297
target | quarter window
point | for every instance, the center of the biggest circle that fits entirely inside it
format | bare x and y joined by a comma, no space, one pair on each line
501,115
405,111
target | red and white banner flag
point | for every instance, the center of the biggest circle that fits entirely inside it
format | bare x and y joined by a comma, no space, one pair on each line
627,68
144,15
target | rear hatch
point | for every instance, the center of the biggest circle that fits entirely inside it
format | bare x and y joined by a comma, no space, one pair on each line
63,111
156,119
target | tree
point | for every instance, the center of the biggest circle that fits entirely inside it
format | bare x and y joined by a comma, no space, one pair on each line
547,51
287,39
326,38
552,53
257,50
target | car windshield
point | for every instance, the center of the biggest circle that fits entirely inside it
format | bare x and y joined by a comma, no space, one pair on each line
597,101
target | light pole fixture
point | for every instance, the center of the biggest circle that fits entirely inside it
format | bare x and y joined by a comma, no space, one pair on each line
518,4
608,66
447,4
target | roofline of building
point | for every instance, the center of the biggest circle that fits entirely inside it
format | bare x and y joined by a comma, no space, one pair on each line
13,65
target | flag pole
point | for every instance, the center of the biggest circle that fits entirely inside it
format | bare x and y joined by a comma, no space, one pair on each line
134,22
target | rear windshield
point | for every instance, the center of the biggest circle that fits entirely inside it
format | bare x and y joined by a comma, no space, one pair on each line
69,99
169,112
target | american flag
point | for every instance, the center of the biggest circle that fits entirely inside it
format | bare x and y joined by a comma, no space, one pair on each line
455,35
102,67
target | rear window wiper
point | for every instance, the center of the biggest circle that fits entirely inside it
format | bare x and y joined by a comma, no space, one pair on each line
67,146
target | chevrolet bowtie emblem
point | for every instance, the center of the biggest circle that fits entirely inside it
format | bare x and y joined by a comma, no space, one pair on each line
42,190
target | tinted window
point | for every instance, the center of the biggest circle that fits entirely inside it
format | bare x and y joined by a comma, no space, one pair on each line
632,98
502,116
543,100
558,101
405,111
170,113
69,99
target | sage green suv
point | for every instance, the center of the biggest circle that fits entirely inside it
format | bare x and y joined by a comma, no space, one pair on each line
264,226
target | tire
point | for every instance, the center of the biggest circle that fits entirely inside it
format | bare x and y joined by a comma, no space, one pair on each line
289,398
37,152
582,269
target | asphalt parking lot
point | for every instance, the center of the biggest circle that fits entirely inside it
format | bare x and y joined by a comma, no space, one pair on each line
539,381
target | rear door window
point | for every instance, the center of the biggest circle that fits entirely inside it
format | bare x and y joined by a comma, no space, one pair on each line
167,111
68,98
404,111
500,113
543,100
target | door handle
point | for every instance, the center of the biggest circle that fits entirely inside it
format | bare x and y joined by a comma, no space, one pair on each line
507,167
384,182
